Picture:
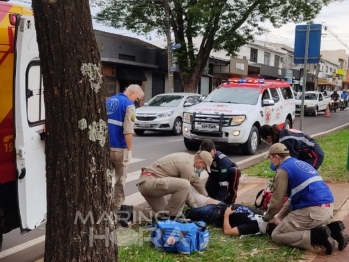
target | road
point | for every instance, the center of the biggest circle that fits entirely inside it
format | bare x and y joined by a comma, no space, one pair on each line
148,148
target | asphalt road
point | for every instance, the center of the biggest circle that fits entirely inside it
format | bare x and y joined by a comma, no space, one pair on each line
148,148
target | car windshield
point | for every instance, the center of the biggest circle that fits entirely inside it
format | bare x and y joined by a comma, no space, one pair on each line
310,96
166,101
246,96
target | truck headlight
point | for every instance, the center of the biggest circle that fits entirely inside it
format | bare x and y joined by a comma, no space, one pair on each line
186,117
166,114
237,120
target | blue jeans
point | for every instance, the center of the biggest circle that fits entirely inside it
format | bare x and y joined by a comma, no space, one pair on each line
201,213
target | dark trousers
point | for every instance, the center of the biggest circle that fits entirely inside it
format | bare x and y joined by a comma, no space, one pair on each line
224,186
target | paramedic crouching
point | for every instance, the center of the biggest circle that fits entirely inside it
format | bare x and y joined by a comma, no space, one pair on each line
172,175
301,223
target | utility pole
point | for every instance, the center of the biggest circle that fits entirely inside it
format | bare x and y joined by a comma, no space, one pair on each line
169,46
305,71
317,77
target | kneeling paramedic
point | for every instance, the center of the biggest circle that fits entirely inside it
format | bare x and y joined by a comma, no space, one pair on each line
301,222
223,181
171,175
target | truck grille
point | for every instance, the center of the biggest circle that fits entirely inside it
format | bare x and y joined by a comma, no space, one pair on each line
218,121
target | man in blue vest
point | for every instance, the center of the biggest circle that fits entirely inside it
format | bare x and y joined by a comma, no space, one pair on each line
121,117
302,221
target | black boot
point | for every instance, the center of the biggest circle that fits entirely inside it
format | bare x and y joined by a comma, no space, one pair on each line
125,214
321,237
338,234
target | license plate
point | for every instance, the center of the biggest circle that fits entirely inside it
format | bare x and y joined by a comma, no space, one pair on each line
144,125
209,126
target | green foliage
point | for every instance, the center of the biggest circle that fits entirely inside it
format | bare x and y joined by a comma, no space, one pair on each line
222,25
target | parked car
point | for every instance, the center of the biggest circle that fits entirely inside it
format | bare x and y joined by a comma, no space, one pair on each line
164,112
233,113
314,102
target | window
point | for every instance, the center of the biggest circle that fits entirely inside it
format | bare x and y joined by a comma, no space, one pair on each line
127,57
326,69
274,94
277,61
166,100
254,55
35,95
266,95
330,69
290,60
192,100
267,58
286,93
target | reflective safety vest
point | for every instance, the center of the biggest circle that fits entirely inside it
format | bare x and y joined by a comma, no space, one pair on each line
305,186
116,111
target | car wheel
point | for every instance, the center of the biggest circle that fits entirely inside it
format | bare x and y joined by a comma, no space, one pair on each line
316,111
191,145
139,132
287,124
251,145
177,127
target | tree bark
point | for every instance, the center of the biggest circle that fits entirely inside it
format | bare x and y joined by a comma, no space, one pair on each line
78,169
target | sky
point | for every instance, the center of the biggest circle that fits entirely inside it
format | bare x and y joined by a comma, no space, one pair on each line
335,16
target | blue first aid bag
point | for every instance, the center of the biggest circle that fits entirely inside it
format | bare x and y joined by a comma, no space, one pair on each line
180,237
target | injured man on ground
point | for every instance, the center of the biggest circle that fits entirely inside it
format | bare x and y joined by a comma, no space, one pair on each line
235,219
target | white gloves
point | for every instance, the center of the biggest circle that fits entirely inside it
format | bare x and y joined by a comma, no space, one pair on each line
261,224
127,158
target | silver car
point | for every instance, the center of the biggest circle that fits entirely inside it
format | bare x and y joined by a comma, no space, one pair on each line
164,112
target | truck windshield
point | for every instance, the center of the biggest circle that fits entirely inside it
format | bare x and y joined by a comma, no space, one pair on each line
308,97
246,96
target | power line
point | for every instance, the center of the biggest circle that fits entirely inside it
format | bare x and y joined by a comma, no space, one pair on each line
336,36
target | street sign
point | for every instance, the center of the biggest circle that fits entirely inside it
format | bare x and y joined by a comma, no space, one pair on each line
314,44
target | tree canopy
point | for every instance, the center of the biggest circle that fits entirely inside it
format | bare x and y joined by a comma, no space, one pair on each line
220,24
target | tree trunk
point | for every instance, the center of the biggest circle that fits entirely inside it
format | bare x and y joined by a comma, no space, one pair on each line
79,222
191,80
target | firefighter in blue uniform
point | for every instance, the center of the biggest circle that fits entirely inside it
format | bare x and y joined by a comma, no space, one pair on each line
300,145
223,181
121,117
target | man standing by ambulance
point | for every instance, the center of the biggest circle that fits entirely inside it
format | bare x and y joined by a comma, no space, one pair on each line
121,114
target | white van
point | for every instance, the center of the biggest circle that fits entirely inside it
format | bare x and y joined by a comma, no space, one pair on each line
233,113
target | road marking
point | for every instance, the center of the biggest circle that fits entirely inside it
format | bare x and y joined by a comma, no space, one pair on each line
135,160
21,247
176,140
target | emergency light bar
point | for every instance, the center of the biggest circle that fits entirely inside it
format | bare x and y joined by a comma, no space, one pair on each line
247,81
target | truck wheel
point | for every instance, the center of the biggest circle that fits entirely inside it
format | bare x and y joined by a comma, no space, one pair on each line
287,124
251,145
316,111
177,127
139,132
191,145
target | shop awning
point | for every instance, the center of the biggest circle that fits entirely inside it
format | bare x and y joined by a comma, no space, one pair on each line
325,82
130,74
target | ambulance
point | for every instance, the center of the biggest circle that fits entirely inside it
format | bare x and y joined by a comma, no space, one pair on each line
233,113
22,116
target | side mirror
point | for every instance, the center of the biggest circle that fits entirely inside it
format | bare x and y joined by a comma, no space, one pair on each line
145,104
268,102
188,104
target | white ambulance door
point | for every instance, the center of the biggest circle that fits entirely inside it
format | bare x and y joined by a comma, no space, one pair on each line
267,109
29,126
